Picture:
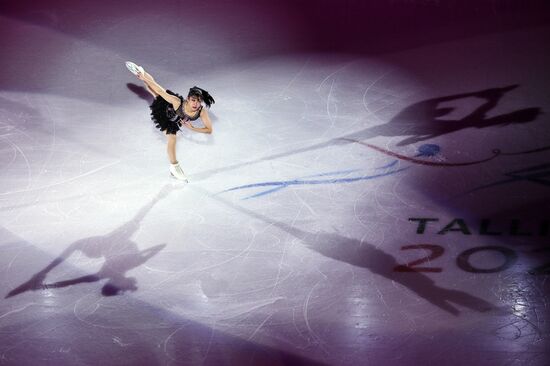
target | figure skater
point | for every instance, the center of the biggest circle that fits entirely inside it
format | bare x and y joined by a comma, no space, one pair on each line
170,111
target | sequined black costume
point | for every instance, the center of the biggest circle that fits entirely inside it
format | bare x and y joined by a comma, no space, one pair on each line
166,118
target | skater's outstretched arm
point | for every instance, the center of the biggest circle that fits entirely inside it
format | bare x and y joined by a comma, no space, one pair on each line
154,86
205,118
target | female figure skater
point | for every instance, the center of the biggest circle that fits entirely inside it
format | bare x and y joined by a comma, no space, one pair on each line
170,111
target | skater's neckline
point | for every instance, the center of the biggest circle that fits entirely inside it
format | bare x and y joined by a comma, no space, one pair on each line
184,115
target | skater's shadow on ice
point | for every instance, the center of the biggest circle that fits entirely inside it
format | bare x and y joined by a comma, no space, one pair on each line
121,254
431,118
141,92
362,254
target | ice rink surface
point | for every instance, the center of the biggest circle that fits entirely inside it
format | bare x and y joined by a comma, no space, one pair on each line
384,203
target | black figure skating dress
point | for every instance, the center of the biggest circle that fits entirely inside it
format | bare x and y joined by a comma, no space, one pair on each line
166,118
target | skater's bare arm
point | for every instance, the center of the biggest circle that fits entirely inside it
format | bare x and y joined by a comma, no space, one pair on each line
205,118
148,79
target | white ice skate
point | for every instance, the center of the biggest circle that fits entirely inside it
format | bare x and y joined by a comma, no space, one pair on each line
177,172
134,69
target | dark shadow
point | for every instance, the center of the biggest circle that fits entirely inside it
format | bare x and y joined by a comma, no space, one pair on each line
120,252
538,174
377,261
370,26
141,92
365,255
422,120
375,27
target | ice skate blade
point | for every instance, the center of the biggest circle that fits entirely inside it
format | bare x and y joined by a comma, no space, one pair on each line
178,179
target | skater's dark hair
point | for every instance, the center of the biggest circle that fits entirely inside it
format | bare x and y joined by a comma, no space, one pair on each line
202,94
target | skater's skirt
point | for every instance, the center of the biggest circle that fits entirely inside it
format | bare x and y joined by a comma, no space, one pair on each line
164,116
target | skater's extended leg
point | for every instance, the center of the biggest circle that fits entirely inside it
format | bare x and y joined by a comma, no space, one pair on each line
158,90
